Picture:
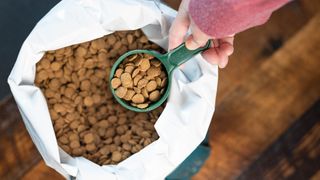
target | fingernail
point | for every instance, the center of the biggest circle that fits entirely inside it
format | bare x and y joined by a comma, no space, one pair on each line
191,45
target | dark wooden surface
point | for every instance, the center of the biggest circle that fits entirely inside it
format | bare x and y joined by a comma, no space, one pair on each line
18,153
294,155
266,124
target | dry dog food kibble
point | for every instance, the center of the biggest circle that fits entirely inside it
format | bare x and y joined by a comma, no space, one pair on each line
87,120
140,83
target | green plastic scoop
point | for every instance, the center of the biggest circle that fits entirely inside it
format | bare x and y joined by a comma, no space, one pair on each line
170,61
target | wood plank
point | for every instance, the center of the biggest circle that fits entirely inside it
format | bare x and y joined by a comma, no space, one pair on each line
254,46
310,7
294,155
42,171
18,153
250,117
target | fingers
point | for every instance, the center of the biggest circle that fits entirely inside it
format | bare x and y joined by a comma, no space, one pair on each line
179,28
219,52
214,56
226,45
197,39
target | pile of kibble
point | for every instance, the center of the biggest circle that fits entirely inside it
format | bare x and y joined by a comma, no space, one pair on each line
140,80
87,120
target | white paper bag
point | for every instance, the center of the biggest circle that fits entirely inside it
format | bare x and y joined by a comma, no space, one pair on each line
182,125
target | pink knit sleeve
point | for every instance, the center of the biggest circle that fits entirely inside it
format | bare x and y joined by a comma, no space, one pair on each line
220,18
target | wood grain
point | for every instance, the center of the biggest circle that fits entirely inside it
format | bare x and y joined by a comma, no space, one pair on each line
18,153
251,116
294,155
310,7
254,46
41,172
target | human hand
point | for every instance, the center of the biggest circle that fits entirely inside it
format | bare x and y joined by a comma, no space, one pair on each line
221,48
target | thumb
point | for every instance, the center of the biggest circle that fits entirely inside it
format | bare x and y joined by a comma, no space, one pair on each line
179,28
197,39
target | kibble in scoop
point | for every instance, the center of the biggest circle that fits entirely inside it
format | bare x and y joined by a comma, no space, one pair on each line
140,80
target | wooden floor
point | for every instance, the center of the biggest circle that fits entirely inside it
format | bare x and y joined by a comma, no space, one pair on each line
267,119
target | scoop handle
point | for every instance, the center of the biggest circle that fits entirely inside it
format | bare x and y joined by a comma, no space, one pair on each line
181,54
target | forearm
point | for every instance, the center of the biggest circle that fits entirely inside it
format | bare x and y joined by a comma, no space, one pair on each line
220,18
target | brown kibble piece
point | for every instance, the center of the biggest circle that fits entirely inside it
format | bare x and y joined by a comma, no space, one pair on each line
80,51
121,92
142,106
152,85
138,98
45,63
115,83
85,85
42,75
154,71
133,57
135,72
136,79
88,138
142,83
129,95
118,73
112,119
154,96
74,124
145,92
148,56
126,147
77,151
105,150
91,147
69,92
137,90
137,61
116,156
145,134
110,132
130,38
155,62
126,80
163,83
59,108
96,98
129,69
111,39
145,64
158,80
88,101
63,140
163,74
55,66
103,124
74,144
143,39
54,84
